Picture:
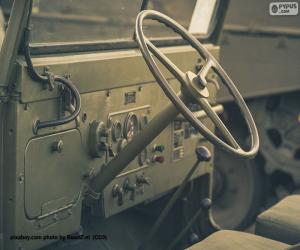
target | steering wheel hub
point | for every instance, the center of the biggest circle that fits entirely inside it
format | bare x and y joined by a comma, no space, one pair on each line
195,86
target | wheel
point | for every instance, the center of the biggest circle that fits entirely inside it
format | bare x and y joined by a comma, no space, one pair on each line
237,184
237,191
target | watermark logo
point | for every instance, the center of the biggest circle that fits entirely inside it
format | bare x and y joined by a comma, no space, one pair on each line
283,8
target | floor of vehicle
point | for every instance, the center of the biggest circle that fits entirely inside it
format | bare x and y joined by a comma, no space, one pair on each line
125,230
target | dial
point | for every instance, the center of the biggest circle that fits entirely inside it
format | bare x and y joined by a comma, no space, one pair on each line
131,127
116,131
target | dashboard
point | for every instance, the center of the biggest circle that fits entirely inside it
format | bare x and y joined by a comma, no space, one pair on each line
51,167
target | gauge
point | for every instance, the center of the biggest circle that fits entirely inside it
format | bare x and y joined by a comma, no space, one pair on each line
143,121
131,126
116,131
143,157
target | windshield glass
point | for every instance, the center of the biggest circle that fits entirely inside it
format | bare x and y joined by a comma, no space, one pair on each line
2,33
57,21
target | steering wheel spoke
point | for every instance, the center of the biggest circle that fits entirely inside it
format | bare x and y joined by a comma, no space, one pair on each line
218,122
167,63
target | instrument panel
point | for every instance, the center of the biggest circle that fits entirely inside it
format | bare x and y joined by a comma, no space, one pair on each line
118,102
158,168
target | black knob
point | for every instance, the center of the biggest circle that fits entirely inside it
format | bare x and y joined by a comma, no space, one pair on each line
206,203
118,192
203,154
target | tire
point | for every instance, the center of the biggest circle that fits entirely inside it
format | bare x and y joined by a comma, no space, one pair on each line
238,191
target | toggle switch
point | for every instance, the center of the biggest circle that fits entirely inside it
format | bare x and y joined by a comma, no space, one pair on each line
130,187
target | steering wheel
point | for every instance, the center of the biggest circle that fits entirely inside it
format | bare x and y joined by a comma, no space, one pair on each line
195,85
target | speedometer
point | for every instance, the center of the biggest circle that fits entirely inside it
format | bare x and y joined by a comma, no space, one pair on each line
131,126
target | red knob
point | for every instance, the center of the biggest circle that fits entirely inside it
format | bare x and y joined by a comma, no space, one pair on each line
159,159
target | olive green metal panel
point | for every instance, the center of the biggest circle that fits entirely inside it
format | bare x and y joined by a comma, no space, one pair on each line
40,184
162,177
101,71
56,184
15,219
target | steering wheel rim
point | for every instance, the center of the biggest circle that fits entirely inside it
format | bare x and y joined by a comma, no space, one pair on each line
193,85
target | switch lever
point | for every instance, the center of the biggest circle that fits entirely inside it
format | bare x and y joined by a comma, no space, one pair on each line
128,187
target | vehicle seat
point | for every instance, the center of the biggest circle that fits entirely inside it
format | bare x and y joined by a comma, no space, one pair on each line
234,240
282,221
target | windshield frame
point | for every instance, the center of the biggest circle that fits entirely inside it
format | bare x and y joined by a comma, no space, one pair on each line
102,45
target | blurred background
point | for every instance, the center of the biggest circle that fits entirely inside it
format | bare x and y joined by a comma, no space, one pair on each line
261,53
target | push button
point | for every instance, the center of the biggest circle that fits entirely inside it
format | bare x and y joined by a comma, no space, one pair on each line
159,159
159,148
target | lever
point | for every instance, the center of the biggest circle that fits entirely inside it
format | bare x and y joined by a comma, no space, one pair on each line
203,155
204,205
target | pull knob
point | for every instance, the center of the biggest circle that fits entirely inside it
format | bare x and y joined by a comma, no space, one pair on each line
159,159
206,203
203,154
130,187
118,192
